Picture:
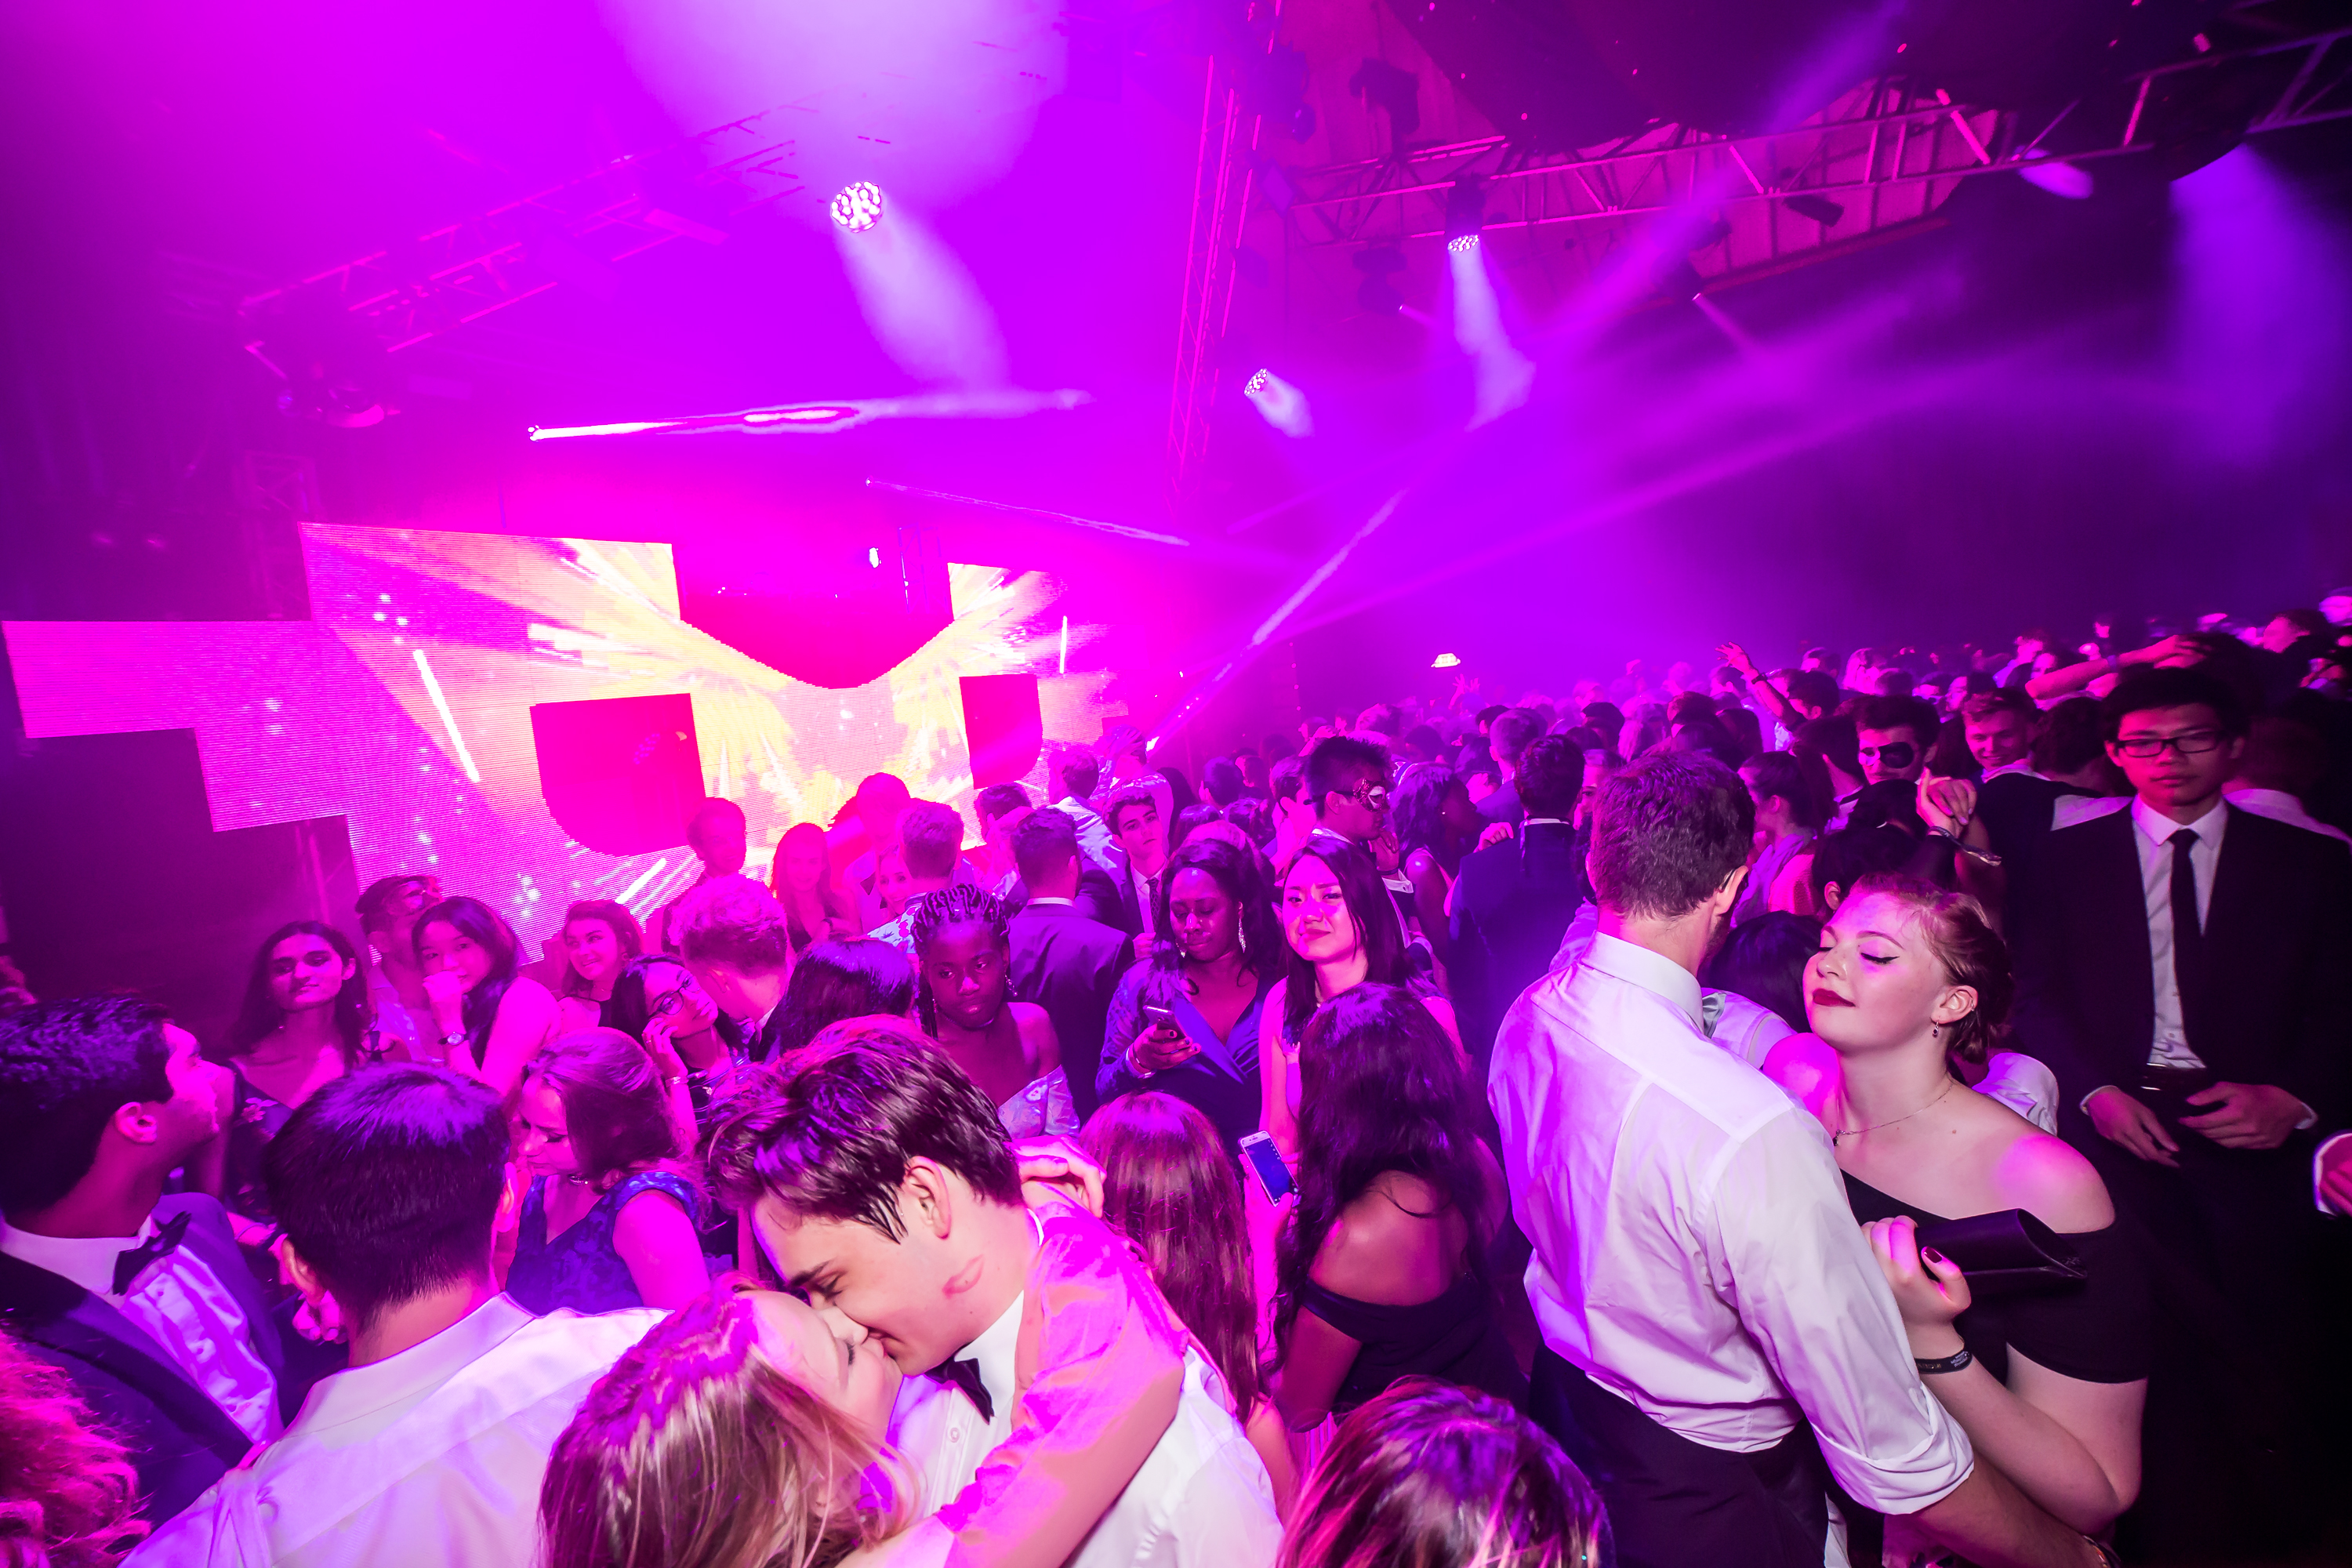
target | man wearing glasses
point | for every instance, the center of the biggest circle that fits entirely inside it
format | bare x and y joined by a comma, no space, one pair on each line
2181,963
1347,780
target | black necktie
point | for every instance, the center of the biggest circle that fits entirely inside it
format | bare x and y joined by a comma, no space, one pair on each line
965,1374
2187,931
164,1242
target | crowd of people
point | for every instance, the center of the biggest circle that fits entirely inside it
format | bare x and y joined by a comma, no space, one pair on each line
1807,1116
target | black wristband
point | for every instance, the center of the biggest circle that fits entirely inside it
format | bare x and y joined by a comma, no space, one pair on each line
1952,1362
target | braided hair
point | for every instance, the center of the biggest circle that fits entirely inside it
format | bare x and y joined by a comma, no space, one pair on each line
958,903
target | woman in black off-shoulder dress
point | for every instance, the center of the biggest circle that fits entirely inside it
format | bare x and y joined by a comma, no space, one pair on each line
2048,1383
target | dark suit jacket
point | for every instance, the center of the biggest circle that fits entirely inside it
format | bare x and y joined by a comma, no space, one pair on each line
2278,943
1512,903
179,1441
1502,806
1071,966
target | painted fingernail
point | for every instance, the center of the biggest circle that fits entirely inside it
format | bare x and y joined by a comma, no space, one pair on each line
1931,1255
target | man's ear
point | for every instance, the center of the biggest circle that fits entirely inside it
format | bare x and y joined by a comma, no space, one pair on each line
296,1270
1728,893
927,1199
136,1122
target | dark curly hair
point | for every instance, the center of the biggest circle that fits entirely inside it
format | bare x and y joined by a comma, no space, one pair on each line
958,903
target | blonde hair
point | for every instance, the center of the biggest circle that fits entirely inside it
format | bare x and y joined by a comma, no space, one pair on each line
68,1495
698,1451
1434,1476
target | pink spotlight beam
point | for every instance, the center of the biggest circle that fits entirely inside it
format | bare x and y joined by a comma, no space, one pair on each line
832,418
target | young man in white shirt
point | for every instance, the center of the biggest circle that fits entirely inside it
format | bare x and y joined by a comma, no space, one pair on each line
431,1447
142,1300
1714,1326
1067,1408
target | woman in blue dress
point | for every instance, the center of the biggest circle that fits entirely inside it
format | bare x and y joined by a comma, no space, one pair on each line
1185,1020
610,1218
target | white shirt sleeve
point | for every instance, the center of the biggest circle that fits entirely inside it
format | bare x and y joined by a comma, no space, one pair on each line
2318,1165
1810,1293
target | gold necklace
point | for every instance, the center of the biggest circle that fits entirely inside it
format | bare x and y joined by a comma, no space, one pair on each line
1949,1084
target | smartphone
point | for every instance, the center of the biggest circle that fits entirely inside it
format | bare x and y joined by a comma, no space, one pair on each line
1273,1176
1160,1016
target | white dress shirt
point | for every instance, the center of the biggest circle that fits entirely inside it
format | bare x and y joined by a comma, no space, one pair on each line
435,1454
2025,1086
180,1303
1095,841
1695,1253
2280,807
2152,834
1200,1500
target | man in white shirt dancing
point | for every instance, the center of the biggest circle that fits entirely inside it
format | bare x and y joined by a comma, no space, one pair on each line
432,1446
1714,1326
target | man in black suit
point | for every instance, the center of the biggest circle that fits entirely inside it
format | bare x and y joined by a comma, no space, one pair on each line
1062,960
143,1301
1514,899
1509,738
2181,963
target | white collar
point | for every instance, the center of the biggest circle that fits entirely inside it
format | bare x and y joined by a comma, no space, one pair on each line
2022,765
419,1369
87,1260
993,1353
1653,973
2159,829
1545,822
1065,903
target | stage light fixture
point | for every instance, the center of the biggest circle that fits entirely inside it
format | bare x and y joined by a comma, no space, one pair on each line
2059,178
1283,405
858,207
1821,209
1461,244
1443,661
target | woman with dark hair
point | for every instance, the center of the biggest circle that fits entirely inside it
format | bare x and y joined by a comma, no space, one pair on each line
1380,1267
489,1020
1169,1186
609,1221
844,978
964,998
658,1002
1190,818
1185,1021
1765,961
1440,1476
600,940
304,1024
1793,800
801,876
1437,825
1910,987
1339,930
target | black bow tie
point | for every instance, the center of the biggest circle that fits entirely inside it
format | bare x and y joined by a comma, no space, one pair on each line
163,1243
965,1374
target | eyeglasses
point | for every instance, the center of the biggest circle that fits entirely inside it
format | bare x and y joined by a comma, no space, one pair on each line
1894,754
2195,744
